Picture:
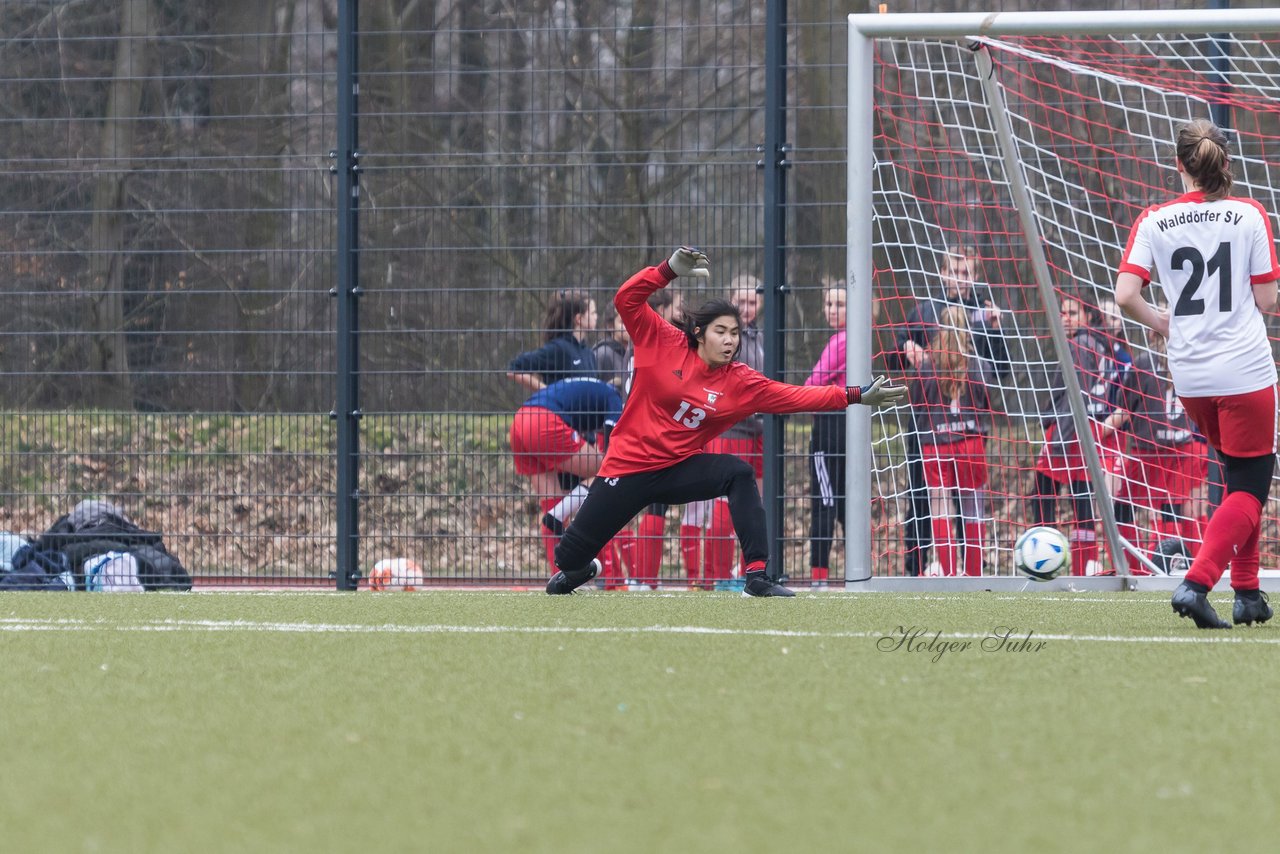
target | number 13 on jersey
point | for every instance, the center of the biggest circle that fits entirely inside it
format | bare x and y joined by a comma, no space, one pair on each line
696,415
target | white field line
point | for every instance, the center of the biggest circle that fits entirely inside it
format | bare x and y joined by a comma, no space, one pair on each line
17,624
843,596
1148,597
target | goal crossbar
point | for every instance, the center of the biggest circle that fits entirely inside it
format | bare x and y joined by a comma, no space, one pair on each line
959,24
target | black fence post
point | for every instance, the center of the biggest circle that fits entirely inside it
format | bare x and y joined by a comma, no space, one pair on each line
1220,108
774,161
347,412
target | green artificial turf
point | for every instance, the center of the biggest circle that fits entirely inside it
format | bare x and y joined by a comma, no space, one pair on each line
470,721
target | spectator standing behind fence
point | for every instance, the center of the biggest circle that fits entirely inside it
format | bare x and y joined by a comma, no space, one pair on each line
1118,367
1061,461
642,551
1184,469
570,317
1215,258
687,390
827,441
1151,472
1202,471
1105,401
953,412
612,350
744,440
961,275
560,430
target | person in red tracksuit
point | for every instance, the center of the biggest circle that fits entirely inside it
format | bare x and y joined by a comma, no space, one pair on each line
744,439
687,390
1150,473
641,550
1214,257
1061,462
953,410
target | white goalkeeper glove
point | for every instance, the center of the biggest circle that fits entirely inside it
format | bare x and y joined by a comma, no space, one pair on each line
687,261
878,393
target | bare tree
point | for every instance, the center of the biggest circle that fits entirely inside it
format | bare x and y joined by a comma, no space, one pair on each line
108,356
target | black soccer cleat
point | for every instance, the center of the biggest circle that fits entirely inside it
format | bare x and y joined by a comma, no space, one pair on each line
1251,607
564,583
1190,602
552,524
758,584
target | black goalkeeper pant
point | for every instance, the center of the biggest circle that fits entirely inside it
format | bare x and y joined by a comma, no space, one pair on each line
613,501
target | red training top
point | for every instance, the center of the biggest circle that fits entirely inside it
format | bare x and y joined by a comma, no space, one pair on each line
678,403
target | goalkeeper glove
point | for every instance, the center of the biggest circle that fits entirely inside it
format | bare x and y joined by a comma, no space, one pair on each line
687,261
876,393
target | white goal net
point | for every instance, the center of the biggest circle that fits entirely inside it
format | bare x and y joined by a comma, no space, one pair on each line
989,151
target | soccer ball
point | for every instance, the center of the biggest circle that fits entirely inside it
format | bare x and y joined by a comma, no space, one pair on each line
1041,553
395,573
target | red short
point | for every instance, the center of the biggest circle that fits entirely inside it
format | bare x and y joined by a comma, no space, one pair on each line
1149,478
960,465
1240,425
541,440
1193,470
1064,463
749,450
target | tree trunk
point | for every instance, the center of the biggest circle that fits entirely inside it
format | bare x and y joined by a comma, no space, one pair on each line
108,357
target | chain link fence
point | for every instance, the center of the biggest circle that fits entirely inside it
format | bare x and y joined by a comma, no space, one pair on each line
169,223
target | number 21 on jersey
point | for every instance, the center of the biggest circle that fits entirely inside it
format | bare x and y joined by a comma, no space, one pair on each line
1219,264
694,421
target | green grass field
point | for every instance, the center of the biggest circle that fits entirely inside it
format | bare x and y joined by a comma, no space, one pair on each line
482,721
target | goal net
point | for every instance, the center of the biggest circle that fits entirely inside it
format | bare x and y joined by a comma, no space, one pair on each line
1007,171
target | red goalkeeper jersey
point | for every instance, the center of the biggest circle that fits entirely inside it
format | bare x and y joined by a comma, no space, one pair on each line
678,403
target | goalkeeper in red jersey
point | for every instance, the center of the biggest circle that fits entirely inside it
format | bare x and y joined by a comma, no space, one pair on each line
687,390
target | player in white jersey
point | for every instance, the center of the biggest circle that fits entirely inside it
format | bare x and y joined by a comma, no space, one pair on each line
1215,259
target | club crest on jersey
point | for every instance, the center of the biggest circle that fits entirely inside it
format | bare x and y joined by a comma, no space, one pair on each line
712,396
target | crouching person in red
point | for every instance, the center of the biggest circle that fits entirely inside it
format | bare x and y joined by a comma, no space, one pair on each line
687,390
557,439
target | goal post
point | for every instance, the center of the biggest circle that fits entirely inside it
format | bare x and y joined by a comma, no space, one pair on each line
1018,149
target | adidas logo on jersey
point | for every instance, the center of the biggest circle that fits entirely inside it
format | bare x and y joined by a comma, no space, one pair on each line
678,374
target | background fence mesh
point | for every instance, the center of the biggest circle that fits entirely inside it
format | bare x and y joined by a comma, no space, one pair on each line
167,232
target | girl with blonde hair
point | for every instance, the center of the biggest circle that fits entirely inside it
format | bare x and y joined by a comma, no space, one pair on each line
953,413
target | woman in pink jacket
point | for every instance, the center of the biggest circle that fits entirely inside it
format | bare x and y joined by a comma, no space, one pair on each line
827,443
